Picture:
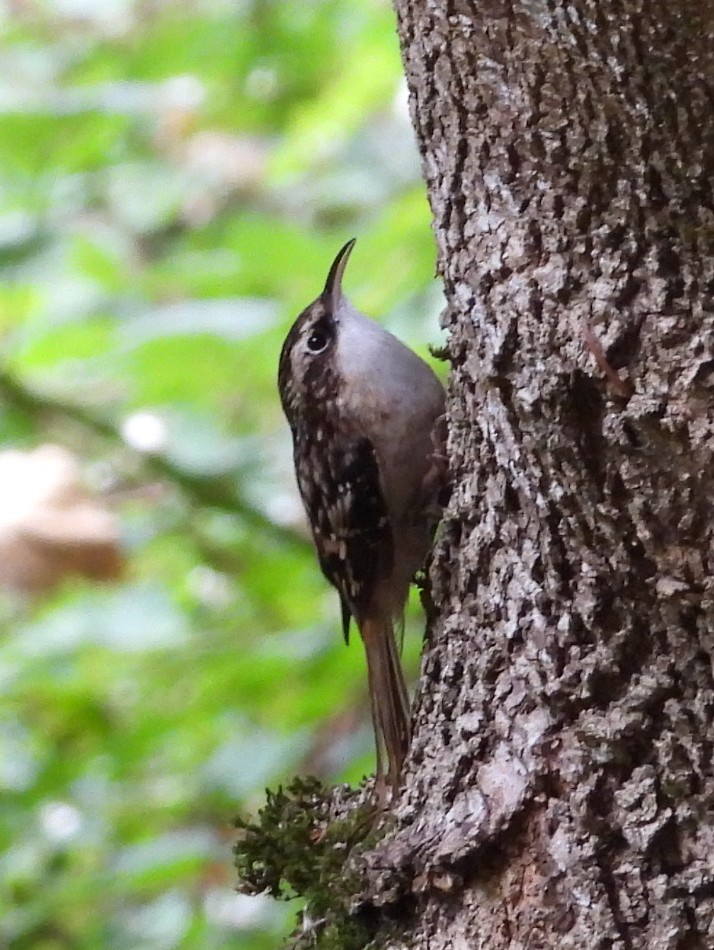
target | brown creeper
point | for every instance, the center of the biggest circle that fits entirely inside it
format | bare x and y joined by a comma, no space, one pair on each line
362,407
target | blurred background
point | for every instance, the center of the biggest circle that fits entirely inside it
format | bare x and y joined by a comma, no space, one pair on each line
175,180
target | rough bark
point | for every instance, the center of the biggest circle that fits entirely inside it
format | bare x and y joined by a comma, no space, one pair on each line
560,789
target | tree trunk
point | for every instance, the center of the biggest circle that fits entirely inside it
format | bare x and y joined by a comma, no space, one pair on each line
560,789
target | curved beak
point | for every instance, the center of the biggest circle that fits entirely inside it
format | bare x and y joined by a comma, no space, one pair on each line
333,285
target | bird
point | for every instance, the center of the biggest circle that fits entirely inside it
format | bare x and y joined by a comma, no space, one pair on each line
363,409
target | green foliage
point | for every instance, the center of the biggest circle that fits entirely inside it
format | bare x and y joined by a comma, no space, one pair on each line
176,180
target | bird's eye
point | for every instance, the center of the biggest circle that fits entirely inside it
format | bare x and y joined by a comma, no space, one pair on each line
317,341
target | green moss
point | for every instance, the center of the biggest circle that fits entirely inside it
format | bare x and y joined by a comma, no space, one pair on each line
298,846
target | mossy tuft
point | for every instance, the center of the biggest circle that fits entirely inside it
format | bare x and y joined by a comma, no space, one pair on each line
298,846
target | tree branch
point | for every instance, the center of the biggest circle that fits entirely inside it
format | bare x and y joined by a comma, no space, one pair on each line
210,492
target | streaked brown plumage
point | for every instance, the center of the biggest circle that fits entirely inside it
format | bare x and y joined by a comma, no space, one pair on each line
362,406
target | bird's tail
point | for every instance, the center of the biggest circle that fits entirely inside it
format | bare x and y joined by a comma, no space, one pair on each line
388,697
